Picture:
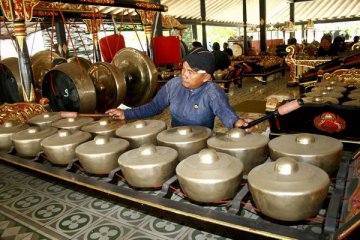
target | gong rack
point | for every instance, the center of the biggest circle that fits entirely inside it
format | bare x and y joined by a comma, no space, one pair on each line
232,222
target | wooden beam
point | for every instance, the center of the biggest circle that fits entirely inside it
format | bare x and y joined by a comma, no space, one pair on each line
146,5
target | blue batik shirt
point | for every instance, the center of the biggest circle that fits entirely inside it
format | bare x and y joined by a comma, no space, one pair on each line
188,106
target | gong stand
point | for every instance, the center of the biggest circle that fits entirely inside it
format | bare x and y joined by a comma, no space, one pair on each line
147,19
18,12
70,39
93,26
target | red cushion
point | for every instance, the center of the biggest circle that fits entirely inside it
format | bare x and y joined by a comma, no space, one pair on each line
110,45
166,50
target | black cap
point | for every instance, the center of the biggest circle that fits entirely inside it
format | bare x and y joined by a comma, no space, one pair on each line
201,59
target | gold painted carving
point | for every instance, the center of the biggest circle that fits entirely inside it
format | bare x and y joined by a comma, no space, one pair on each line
65,7
21,8
349,76
147,17
6,6
93,25
20,112
98,1
148,5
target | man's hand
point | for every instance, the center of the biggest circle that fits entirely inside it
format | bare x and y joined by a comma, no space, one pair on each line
244,122
116,113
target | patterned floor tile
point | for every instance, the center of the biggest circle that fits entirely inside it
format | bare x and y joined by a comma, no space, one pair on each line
4,184
54,189
100,206
73,222
13,229
27,202
129,217
164,228
77,198
9,195
49,212
105,229
37,183
20,177
138,235
194,234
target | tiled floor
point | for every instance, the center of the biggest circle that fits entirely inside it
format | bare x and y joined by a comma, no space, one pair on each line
35,208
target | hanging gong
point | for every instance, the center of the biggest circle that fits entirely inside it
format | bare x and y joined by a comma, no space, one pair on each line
237,50
10,84
85,63
41,64
69,88
140,75
110,85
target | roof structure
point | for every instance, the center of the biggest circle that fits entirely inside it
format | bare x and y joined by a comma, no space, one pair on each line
224,12
277,11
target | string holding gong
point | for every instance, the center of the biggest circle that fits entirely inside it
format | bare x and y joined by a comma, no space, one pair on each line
41,63
110,85
140,75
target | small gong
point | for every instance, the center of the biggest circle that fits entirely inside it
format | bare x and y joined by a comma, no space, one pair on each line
140,75
110,85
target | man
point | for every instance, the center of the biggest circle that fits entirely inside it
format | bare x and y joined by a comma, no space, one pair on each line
227,50
193,98
222,60
195,44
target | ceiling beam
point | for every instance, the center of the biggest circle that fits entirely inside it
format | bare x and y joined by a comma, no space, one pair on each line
146,5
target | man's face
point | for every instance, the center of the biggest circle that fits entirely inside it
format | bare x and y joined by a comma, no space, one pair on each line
325,43
191,78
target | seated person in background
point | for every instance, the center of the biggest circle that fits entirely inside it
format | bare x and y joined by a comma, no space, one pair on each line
324,48
196,44
193,98
356,39
338,46
222,60
292,41
227,50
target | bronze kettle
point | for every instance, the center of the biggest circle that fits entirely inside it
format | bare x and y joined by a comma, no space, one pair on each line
187,140
250,149
7,129
141,132
322,151
100,155
27,142
209,176
60,148
148,166
288,190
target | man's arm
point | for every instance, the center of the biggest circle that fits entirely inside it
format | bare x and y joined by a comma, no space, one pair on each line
155,107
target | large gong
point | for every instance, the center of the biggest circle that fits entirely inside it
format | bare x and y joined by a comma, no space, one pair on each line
237,50
69,88
140,75
85,63
10,81
110,85
41,63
